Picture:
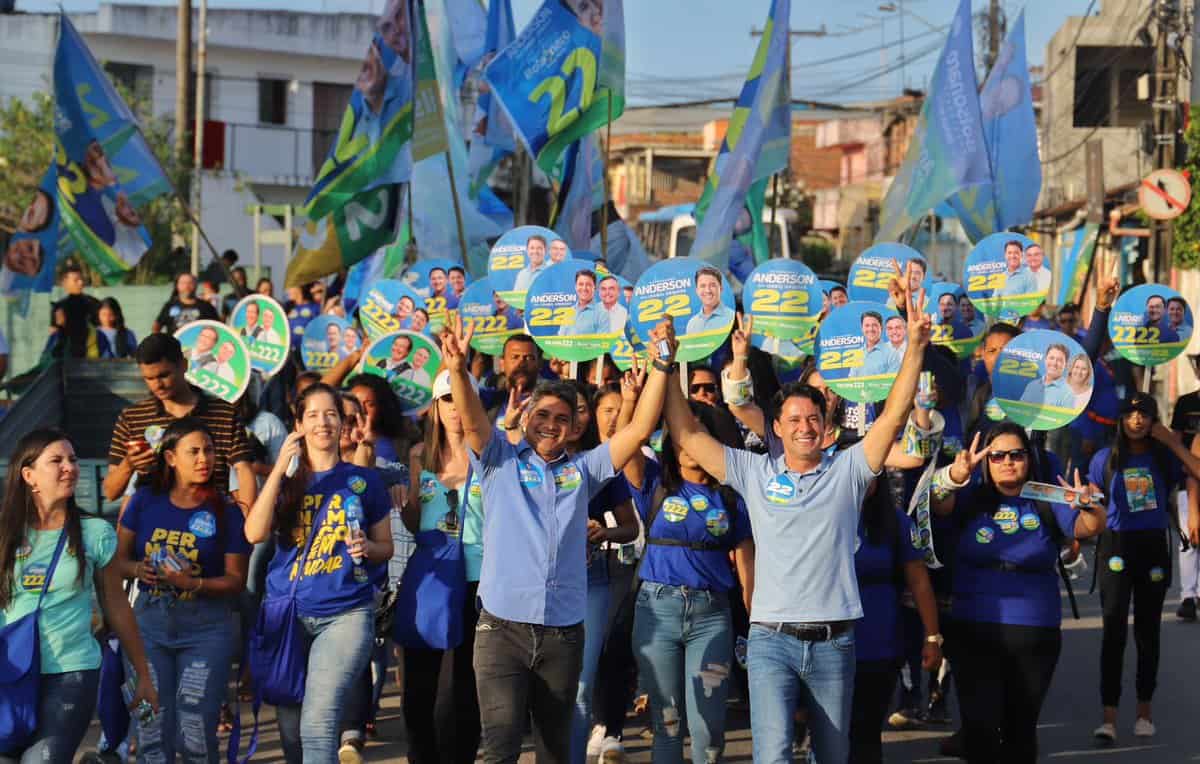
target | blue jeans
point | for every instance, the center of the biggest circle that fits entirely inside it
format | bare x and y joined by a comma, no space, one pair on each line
189,649
66,703
684,644
595,627
341,648
785,673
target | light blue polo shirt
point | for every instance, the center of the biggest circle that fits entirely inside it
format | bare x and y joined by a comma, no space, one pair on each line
590,319
1021,282
881,359
1056,393
535,530
805,527
721,318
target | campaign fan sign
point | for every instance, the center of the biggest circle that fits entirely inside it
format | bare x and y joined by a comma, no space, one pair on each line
263,326
492,319
32,251
834,294
391,306
694,295
218,362
856,355
1150,324
1043,379
409,362
949,328
575,313
328,339
1007,276
784,298
875,268
519,256
441,283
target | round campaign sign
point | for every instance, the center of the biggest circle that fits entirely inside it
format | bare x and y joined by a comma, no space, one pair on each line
493,320
1007,276
520,255
693,294
876,267
1150,324
834,292
1042,379
625,347
855,353
391,306
327,340
784,298
409,362
574,314
217,359
949,328
435,281
263,326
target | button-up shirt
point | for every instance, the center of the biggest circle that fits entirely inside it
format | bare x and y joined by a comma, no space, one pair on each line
1043,393
720,318
805,527
591,319
535,530
881,359
1016,284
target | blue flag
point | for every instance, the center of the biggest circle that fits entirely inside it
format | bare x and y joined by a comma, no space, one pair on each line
756,146
32,251
948,152
580,193
105,168
491,133
1010,131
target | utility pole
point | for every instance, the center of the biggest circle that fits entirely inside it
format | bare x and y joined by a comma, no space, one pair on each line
995,32
183,76
198,130
1164,104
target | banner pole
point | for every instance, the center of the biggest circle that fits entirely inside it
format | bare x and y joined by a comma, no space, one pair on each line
774,206
604,179
462,236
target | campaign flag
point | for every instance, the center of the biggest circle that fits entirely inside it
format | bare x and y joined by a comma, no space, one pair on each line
755,147
564,75
1075,248
1010,133
339,240
373,147
32,251
947,153
580,192
105,168
384,263
491,133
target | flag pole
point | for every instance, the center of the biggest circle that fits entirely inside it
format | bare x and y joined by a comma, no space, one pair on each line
604,205
774,205
462,237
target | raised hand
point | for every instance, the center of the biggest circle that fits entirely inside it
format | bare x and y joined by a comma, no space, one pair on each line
633,381
920,323
740,339
1082,491
1107,293
898,285
967,460
456,339
664,332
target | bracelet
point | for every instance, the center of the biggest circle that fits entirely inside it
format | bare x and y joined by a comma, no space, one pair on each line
741,358
199,586
943,485
737,392
669,368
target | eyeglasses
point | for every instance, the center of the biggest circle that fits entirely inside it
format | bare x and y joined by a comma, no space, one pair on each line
451,518
704,387
1017,455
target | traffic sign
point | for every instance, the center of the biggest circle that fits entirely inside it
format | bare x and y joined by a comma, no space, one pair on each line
1164,194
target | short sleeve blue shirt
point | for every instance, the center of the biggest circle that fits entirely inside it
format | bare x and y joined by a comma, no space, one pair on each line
877,636
1138,494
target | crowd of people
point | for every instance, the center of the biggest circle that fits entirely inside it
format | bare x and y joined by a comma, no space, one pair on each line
539,548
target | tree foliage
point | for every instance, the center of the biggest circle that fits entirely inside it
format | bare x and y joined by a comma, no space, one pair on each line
1187,226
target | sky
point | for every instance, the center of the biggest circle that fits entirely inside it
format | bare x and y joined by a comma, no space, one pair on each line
687,50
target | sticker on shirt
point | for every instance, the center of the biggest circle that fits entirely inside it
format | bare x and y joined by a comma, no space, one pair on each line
24,551
218,361
985,535
566,477
699,503
519,256
914,537
357,484
859,349
675,508
529,474
575,313
262,325
1030,521
780,490
428,489
1157,574
1042,379
875,268
694,295
203,524
1007,276
1139,489
409,361
1116,564
1150,324
33,578
1006,520
716,520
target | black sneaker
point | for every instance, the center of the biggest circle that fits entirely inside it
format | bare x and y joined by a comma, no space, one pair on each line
1187,609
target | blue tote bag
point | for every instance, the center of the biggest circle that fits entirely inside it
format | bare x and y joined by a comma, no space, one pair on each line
21,670
429,604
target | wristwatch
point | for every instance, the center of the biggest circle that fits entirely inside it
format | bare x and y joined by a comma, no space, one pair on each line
669,368
935,639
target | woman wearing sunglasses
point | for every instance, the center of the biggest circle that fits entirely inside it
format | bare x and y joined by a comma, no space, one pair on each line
442,712
1005,628
1133,556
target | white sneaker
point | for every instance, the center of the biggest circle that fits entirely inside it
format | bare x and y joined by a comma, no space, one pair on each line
611,751
350,753
595,741
1107,733
1143,728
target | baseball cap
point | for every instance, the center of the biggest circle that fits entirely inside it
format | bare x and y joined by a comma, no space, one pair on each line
1142,402
441,384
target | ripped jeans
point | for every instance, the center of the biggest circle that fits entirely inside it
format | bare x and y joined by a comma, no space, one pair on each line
683,639
189,649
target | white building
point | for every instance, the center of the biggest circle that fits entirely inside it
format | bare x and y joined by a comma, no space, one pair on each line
277,85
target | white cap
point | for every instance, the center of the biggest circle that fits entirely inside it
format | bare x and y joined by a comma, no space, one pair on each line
441,384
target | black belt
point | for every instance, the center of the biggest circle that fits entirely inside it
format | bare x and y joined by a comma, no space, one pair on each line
699,546
810,632
1011,567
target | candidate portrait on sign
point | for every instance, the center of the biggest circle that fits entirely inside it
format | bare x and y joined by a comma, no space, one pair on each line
713,314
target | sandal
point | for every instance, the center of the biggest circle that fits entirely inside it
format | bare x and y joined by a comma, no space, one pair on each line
225,720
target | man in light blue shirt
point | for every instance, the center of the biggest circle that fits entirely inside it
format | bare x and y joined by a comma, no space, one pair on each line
1017,280
610,300
1051,390
535,262
713,315
878,357
804,508
590,319
533,584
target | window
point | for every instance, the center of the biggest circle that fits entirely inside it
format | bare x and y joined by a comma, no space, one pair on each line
1106,85
272,101
136,80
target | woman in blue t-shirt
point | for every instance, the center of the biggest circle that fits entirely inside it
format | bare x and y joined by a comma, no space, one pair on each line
39,509
1004,636
888,560
441,709
682,629
338,513
183,543
1137,475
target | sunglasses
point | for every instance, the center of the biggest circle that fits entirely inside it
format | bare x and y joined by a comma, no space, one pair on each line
451,518
1015,455
704,387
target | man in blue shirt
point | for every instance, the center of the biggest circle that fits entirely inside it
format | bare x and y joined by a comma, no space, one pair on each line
713,315
1051,390
804,509
1018,280
535,263
590,318
533,584
878,357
